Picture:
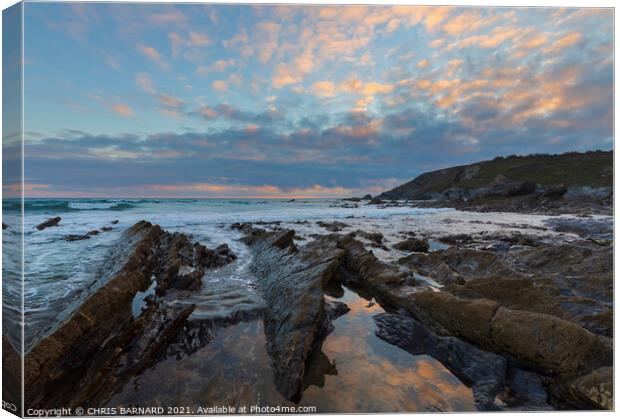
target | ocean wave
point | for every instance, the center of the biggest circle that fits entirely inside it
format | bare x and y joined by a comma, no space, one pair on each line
68,205
107,205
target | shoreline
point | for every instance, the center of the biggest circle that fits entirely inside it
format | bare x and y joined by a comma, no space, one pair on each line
446,252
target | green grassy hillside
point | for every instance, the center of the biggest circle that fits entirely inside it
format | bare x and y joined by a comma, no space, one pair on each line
593,169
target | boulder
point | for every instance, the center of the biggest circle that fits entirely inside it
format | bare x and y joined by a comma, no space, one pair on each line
93,232
412,245
52,222
595,389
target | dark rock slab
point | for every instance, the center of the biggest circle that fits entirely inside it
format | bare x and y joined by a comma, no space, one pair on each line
76,237
52,222
292,281
412,245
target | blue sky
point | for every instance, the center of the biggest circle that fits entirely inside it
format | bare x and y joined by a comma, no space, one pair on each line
196,100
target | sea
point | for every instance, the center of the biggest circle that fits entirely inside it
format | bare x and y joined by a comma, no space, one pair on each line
59,275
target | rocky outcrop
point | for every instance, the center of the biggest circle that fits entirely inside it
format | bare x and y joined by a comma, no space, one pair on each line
105,340
547,183
544,343
52,222
292,281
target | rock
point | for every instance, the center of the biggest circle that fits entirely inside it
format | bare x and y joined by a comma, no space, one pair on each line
361,268
76,237
601,323
106,228
367,197
556,346
376,201
93,232
555,192
548,343
80,337
515,293
4,226
52,222
374,237
11,374
292,281
114,222
103,342
525,391
334,226
412,245
587,228
467,319
432,265
483,371
335,309
595,389
457,239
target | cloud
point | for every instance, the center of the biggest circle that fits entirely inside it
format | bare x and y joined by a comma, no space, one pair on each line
169,101
153,55
168,17
564,42
235,79
145,82
468,21
123,110
220,85
217,66
422,64
324,88
284,76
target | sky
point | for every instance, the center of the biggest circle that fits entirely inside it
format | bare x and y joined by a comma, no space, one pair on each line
156,100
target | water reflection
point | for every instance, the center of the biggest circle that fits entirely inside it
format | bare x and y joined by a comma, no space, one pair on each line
374,376
354,371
